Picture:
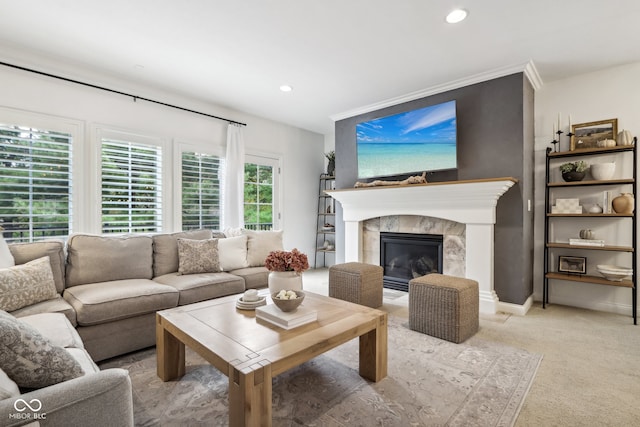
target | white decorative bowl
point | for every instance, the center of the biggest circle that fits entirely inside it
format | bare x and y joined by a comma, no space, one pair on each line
603,171
614,273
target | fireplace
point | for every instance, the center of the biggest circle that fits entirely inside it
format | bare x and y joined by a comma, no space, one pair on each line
405,256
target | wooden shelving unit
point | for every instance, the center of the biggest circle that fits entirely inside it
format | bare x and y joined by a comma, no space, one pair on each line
613,184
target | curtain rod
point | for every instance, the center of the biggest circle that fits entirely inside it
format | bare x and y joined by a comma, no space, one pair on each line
135,97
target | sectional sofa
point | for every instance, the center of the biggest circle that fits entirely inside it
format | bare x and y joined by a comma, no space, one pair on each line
107,291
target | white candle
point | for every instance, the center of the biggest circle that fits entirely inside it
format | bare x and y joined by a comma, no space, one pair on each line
569,122
559,122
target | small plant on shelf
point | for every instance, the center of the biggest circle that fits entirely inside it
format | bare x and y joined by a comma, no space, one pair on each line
574,171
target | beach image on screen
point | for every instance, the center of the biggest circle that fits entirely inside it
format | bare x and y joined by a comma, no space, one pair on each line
418,140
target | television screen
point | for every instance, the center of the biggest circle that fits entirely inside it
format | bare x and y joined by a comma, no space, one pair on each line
411,142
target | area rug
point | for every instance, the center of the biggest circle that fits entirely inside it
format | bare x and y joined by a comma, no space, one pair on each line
430,382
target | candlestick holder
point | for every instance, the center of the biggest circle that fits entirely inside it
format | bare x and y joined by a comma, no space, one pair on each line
570,134
555,148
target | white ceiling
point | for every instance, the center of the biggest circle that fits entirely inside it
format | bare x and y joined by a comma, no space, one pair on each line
339,55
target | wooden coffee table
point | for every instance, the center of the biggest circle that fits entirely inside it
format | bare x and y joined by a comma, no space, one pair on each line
251,351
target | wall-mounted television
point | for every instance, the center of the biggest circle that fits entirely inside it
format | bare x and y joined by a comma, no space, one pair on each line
414,141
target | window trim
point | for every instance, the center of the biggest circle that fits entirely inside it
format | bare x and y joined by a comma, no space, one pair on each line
104,131
65,125
180,146
275,160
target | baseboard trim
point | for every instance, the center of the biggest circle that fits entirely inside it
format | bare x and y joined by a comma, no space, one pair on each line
517,309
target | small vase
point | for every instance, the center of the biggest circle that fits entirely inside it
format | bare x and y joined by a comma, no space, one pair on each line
287,280
623,204
331,167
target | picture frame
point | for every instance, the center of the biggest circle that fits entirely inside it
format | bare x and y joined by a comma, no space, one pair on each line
572,264
587,135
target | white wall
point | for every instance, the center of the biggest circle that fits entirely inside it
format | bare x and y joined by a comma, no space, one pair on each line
607,94
300,151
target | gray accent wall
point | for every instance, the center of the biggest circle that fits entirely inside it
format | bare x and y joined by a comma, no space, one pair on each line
495,139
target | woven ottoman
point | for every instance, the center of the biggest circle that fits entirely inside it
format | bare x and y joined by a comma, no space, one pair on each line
356,282
444,307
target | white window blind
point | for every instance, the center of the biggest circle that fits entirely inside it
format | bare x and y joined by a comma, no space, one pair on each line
35,183
131,187
201,190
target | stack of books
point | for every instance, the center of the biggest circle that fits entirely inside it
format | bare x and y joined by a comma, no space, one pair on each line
586,242
286,320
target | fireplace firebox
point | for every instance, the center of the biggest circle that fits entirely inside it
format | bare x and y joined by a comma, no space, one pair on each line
405,256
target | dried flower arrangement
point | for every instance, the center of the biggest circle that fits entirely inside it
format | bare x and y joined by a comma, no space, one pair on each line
287,261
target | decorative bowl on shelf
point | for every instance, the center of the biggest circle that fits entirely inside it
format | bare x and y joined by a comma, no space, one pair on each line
615,273
573,176
602,171
283,301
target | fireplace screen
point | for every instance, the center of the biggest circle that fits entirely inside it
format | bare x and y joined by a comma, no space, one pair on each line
405,256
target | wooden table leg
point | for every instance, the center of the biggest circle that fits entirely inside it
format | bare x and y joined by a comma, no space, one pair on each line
250,394
169,353
373,351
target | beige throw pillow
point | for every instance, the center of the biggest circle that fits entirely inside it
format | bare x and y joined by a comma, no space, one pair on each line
233,253
260,244
198,256
26,284
30,359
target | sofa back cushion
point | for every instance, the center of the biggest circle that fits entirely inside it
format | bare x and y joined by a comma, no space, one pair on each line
54,249
92,259
165,249
259,245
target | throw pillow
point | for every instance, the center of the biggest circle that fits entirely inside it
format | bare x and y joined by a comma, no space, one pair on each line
30,359
6,258
259,245
26,284
198,256
233,253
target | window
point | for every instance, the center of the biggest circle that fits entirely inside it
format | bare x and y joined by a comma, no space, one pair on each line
201,190
131,186
35,183
260,193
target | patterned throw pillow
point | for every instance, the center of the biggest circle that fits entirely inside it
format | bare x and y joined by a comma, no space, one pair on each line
26,284
30,359
198,256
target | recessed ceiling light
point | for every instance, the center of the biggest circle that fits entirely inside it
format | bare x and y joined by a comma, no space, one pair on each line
456,16
286,88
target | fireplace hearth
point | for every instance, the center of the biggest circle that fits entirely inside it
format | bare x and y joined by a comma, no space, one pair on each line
405,256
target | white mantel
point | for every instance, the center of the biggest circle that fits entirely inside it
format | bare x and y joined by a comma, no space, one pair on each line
471,202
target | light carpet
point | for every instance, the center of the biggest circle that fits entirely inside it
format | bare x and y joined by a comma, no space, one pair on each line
430,382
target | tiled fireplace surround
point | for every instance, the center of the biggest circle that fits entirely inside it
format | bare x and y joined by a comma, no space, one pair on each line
453,234
464,212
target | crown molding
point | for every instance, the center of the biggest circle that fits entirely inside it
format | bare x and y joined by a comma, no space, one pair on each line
528,68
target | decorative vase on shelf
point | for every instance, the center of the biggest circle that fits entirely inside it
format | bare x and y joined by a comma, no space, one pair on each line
287,280
623,204
331,167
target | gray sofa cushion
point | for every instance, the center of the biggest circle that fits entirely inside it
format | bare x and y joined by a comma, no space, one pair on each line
254,277
165,249
97,303
30,359
55,305
8,388
56,327
93,259
54,249
202,286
